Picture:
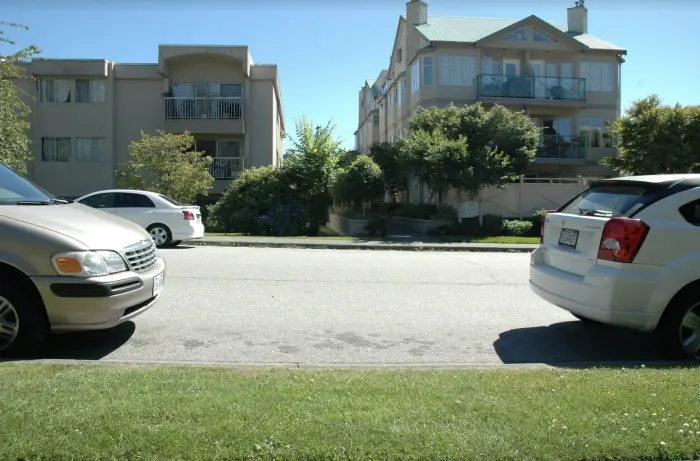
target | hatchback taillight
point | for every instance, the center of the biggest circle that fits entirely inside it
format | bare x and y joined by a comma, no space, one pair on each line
621,240
542,226
187,215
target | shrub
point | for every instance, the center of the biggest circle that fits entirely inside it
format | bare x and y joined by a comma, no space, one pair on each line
492,225
425,211
362,182
517,227
257,203
376,225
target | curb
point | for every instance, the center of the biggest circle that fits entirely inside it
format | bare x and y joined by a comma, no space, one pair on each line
517,248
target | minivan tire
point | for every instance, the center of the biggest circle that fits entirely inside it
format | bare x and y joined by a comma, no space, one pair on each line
168,235
30,317
669,330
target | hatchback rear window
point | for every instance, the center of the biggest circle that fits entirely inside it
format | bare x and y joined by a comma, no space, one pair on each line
611,200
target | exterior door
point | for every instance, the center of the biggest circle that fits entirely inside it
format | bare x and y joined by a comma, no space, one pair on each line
511,67
539,72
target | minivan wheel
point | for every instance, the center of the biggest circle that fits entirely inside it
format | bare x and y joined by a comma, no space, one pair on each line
160,235
680,329
23,324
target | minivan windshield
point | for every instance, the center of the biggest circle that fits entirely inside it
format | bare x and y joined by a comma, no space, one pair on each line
18,190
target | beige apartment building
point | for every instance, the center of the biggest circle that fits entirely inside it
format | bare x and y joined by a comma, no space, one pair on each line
566,80
86,112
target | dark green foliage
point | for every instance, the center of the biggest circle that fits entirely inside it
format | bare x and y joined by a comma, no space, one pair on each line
517,227
653,138
425,211
376,225
393,161
360,183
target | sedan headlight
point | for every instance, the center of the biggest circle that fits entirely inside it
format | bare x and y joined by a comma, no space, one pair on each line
88,263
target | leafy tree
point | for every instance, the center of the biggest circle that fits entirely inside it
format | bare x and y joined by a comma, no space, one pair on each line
14,141
311,165
653,138
468,148
347,157
392,160
166,164
361,183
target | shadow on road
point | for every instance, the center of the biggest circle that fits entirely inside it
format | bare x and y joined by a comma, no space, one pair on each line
88,345
182,247
579,344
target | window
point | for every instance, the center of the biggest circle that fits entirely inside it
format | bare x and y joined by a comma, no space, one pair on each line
106,200
56,90
399,55
391,98
396,96
415,79
18,188
518,35
228,148
612,200
93,90
596,132
90,149
691,212
457,70
401,92
598,75
539,36
55,149
135,201
381,107
427,70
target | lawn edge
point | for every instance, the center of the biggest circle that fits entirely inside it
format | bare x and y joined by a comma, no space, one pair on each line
380,246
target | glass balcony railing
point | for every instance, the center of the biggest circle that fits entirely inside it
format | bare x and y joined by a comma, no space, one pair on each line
562,147
529,87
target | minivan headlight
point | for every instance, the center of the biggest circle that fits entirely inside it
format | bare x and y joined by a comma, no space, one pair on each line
88,263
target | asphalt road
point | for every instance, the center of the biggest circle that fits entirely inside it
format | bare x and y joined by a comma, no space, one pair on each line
259,305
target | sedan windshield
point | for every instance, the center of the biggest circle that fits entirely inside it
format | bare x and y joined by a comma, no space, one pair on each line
18,190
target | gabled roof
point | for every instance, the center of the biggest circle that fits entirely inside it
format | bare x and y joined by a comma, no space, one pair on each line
453,29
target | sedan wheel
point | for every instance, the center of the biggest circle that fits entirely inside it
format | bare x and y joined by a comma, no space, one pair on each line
159,235
9,323
690,332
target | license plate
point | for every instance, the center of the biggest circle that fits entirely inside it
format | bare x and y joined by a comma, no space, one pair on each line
568,238
157,285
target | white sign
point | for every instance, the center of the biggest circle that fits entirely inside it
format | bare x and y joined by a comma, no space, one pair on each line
468,210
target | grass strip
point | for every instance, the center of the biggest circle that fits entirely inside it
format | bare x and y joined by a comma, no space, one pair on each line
497,239
50,412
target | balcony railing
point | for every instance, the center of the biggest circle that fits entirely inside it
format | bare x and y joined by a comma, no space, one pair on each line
562,147
221,108
226,167
529,87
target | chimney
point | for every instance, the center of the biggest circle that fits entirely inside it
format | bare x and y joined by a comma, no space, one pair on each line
577,18
417,12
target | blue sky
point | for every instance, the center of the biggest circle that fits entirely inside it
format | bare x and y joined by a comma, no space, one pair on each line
326,49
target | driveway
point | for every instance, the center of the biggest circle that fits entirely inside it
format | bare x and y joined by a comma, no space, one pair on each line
259,305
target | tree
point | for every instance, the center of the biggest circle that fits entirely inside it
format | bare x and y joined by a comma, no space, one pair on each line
468,148
311,165
359,184
653,138
166,164
392,160
14,141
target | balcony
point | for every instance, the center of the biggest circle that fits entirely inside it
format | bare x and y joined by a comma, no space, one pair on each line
533,88
204,114
558,147
226,168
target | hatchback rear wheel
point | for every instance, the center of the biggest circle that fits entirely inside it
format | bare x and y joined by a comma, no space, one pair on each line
680,329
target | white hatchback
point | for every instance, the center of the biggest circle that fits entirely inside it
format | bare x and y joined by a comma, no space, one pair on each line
626,252
168,221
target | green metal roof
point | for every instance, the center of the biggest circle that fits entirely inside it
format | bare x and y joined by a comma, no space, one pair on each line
469,30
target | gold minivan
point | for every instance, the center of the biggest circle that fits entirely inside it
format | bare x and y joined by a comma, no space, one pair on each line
67,267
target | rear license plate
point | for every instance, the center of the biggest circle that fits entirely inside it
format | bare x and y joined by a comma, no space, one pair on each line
157,285
568,238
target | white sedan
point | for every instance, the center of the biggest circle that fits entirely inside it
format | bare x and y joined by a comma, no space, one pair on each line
168,221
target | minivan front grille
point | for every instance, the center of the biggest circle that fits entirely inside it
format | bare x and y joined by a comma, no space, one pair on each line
141,256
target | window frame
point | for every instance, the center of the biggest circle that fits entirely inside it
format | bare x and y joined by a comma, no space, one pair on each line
92,159
92,93
467,70
146,199
55,140
598,76
43,88
427,70
415,76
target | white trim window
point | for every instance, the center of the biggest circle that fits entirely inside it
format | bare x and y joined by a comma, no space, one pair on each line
598,75
415,76
90,90
55,149
90,149
391,98
56,90
596,133
427,70
457,70
401,98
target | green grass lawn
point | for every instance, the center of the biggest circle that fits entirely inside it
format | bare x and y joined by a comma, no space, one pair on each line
498,239
86,412
323,232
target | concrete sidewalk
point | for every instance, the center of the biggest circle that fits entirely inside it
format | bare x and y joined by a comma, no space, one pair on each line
400,244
